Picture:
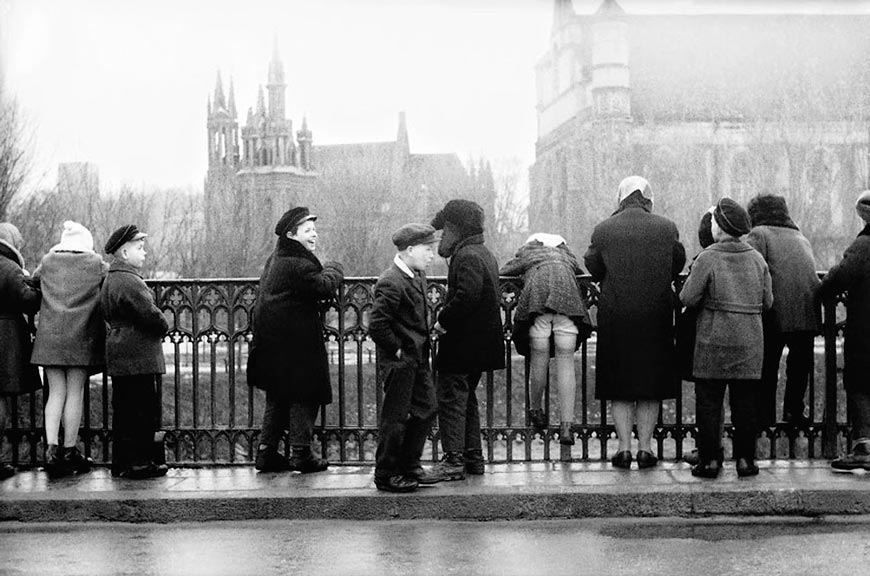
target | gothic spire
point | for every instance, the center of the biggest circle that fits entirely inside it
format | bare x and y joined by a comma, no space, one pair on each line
232,102
219,100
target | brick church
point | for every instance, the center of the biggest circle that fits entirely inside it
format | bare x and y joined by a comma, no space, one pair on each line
704,103
360,191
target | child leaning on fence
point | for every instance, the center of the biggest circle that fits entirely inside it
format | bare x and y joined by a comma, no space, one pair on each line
134,357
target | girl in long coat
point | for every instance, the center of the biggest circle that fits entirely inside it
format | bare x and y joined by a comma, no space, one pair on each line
549,309
730,285
70,339
636,256
852,274
17,299
288,353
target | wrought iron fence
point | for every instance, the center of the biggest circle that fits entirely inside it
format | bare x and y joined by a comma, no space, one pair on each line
212,417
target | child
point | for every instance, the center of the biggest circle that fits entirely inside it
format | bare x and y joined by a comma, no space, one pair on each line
730,284
134,356
70,340
549,309
17,299
400,328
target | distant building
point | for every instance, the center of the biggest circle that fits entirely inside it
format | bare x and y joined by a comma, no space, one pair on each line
78,178
362,191
704,104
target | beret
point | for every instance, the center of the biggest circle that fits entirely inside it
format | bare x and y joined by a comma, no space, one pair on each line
293,217
413,234
731,217
121,236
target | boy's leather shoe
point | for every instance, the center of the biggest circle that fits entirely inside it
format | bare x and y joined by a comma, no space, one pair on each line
474,463
709,470
858,459
746,467
396,483
451,467
269,460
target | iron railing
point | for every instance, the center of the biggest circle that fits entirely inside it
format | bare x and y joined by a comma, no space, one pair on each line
212,417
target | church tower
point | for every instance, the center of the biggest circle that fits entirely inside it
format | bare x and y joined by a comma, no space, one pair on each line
611,87
223,128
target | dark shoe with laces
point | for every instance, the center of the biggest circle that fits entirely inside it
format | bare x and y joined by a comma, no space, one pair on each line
76,461
622,460
746,467
709,470
474,462
646,459
538,419
304,461
55,464
451,467
269,460
6,471
857,459
396,483
143,472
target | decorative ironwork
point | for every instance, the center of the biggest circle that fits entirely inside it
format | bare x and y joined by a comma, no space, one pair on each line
212,417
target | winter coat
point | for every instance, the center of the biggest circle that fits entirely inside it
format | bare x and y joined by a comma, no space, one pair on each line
474,341
549,286
635,255
852,274
731,285
136,325
70,329
789,257
399,317
17,298
288,351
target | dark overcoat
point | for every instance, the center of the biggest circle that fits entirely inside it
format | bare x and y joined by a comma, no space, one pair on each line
635,255
399,317
70,330
288,350
852,274
17,298
474,341
549,286
136,325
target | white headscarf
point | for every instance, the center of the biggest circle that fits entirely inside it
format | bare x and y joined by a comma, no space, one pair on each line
630,185
551,240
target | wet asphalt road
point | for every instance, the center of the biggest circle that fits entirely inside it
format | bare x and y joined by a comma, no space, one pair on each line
708,547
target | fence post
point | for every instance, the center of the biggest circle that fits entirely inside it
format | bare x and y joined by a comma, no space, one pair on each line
829,435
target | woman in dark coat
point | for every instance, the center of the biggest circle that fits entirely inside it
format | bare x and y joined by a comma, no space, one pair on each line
17,299
852,274
70,340
635,255
288,353
550,310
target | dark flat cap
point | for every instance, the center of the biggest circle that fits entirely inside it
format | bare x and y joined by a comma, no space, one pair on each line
292,218
413,234
731,217
124,234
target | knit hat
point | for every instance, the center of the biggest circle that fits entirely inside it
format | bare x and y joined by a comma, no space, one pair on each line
74,238
630,185
731,217
292,218
412,235
863,206
466,215
550,240
121,236
705,234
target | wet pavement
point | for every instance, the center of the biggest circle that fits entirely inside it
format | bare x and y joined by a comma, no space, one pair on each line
713,546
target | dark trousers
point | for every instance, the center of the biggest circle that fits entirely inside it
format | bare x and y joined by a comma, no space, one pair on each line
858,412
135,410
295,417
458,414
408,409
798,365
709,395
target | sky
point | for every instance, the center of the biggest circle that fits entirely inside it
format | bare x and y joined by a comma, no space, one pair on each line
124,84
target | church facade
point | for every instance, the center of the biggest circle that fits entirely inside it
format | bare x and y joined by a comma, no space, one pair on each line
704,104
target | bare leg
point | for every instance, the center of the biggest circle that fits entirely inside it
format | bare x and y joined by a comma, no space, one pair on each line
647,417
72,409
623,417
565,374
54,406
539,366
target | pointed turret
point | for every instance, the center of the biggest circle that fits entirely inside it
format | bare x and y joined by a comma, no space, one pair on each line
303,137
276,84
610,8
402,137
563,13
232,102
219,99
261,102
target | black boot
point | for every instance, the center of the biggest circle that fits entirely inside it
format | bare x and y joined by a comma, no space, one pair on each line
474,463
55,464
304,461
268,460
76,462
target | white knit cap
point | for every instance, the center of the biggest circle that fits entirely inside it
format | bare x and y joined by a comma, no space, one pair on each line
551,240
74,238
631,184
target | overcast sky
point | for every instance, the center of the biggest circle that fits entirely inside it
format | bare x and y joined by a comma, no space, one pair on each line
124,84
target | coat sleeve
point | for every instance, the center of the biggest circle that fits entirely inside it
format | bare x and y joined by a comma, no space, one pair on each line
21,294
384,311
695,287
470,271
321,284
767,301
142,310
845,273
514,267
594,261
678,258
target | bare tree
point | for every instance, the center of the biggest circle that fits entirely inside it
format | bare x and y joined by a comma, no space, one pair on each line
14,157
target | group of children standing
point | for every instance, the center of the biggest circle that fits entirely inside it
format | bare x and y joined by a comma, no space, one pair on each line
76,295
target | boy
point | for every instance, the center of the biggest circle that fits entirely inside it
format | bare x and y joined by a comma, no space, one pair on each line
134,355
399,327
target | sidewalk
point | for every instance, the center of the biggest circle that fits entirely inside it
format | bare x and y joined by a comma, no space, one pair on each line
507,491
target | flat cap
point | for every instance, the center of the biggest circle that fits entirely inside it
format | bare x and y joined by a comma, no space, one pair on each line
731,217
292,218
413,234
124,234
